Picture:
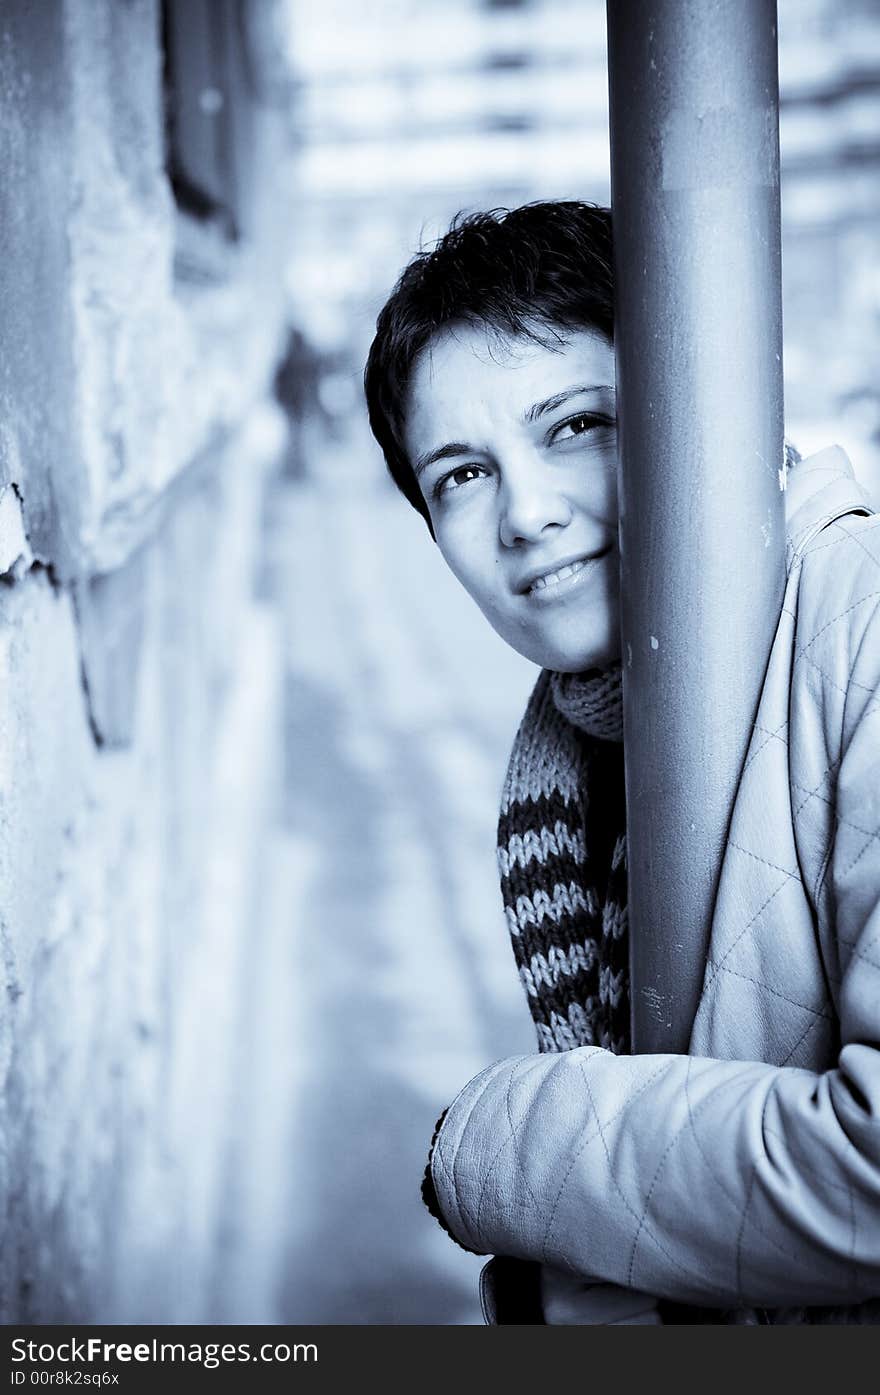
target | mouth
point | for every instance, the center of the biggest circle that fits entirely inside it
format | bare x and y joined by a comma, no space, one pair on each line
550,582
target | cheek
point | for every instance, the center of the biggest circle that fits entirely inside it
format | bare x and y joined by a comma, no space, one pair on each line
467,552
604,500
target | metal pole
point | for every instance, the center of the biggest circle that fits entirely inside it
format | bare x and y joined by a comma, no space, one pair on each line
698,327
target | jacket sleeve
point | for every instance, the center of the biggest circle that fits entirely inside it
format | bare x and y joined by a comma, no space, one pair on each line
713,1182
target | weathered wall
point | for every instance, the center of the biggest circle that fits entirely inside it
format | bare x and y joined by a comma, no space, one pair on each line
35,325
138,674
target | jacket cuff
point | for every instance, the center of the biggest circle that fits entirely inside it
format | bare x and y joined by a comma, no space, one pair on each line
429,1191
458,1214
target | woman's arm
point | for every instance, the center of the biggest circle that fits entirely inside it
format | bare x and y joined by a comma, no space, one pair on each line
714,1182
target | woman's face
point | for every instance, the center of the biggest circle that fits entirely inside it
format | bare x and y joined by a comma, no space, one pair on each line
514,446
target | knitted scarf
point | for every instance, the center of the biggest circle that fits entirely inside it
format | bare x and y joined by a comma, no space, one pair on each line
562,858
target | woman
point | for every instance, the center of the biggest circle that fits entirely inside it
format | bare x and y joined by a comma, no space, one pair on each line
742,1179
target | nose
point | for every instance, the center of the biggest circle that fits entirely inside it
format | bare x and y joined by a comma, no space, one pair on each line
531,504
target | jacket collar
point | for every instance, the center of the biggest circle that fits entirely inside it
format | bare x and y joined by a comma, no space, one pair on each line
817,490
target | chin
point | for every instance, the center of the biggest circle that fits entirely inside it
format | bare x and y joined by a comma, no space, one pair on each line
579,665
568,662
566,665
571,660
575,647
560,653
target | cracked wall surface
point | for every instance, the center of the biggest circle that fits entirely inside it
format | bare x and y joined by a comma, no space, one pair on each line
136,438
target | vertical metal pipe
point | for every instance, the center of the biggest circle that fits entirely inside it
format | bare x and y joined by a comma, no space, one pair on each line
698,327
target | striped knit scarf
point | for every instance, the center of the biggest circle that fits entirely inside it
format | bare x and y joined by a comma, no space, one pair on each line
562,858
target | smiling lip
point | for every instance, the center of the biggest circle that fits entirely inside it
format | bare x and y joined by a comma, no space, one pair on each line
545,582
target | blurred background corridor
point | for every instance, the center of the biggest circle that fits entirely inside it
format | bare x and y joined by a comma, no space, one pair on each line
252,733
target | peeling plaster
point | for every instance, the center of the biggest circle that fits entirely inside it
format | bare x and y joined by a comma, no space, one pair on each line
657,1004
15,553
112,1092
767,529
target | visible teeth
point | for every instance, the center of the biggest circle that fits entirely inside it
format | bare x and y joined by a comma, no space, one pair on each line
553,577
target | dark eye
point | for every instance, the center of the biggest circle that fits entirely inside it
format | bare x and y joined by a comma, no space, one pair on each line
457,479
580,425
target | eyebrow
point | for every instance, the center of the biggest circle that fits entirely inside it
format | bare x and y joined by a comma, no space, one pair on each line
539,409
447,452
453,449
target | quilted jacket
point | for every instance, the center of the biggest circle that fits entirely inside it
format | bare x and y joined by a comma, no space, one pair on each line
746,1174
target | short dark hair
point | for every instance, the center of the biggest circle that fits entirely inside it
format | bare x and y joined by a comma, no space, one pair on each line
535,272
